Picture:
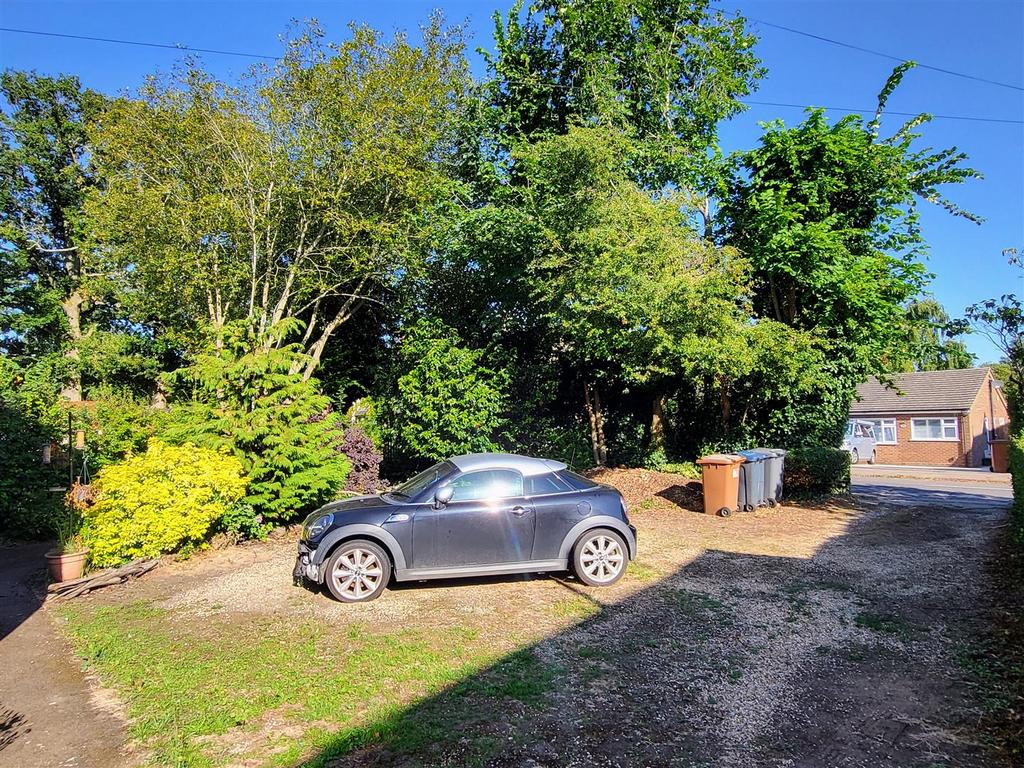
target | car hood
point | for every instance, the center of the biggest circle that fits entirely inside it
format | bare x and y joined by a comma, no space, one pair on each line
354,504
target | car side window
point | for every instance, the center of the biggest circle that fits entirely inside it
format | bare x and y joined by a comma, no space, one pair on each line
577,482
538,485
487,484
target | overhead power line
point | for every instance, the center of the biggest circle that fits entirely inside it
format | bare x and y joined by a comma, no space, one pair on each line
173,47
191,49
862,49
884,112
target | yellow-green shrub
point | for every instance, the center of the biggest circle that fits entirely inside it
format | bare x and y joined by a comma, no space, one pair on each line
160,501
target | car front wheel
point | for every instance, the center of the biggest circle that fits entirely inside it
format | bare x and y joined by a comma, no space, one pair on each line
854,457
357,571
600,558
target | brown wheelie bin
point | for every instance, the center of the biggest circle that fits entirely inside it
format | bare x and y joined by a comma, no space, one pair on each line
721,475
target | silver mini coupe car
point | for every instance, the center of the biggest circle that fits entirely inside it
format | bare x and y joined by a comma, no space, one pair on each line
475,515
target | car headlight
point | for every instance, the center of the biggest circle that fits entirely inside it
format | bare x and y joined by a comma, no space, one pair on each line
318,526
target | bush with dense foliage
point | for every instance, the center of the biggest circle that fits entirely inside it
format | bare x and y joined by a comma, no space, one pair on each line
446,401
816,471
254,403
365,459
26,507
163,500
116,425
1016,453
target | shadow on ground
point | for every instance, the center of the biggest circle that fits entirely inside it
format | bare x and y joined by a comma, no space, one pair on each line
22,583
689,496
22,590
842,658
12,726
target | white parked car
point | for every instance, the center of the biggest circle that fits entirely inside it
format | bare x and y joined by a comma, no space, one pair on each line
860,441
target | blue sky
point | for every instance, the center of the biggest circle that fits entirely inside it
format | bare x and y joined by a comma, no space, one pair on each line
969,36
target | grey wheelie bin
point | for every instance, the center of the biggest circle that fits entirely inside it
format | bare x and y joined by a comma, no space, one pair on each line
752,475
773,471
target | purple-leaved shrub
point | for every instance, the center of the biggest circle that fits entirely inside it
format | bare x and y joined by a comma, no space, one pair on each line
364,476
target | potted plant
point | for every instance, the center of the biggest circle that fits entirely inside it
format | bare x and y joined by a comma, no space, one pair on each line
67,559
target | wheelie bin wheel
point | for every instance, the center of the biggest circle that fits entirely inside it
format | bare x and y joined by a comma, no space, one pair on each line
724,512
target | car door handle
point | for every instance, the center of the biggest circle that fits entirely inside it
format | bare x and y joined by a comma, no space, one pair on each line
519,511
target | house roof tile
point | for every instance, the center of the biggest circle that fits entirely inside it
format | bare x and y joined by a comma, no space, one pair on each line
921,392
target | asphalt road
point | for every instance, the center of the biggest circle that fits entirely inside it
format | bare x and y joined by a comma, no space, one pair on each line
916,491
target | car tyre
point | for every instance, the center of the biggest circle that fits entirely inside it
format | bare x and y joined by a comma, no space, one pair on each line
873,458
854,457
357,571
600,557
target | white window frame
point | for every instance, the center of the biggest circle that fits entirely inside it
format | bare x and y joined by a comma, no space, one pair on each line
880,426
944,421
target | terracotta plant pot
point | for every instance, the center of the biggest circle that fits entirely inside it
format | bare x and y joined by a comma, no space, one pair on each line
65,566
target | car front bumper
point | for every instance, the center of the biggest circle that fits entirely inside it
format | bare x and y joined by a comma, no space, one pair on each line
305,569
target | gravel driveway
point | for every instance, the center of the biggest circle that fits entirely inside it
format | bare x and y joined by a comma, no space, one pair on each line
802,636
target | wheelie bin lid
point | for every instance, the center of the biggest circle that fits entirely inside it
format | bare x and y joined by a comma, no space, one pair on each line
756,454
773,451
721,459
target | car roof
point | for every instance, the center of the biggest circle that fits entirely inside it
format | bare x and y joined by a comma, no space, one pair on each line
525,465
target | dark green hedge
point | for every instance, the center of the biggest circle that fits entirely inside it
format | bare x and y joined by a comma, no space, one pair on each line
817,471
1016,451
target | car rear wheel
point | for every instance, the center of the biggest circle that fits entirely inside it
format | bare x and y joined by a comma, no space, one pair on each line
600,558
357,571
873,458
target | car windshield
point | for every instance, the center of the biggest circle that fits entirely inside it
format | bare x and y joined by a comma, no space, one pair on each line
423,480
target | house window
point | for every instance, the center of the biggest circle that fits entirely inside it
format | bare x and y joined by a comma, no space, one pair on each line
934,429
885,431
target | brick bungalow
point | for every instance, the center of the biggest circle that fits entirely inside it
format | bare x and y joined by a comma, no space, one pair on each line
935,418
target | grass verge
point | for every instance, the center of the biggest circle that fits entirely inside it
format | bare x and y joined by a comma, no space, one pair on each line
200,692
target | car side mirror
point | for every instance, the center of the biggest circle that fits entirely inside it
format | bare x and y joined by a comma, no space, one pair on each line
443,495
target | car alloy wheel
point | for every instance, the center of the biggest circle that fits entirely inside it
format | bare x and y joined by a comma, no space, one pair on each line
357,572
855,457
600,558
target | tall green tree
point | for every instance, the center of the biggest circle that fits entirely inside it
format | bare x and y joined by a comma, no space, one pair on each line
45,173
627,95
297,194
665,72
629,292
827,216
931,339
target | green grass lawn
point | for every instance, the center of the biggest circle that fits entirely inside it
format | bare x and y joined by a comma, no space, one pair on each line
200,688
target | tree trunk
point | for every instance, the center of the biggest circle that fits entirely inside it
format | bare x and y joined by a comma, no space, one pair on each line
725,402
72,306
657,442
159,399
593,424
602,447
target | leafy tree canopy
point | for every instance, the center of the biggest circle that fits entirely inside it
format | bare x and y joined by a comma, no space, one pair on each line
298,193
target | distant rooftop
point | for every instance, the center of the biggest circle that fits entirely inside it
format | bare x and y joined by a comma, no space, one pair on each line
921,392
526,465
